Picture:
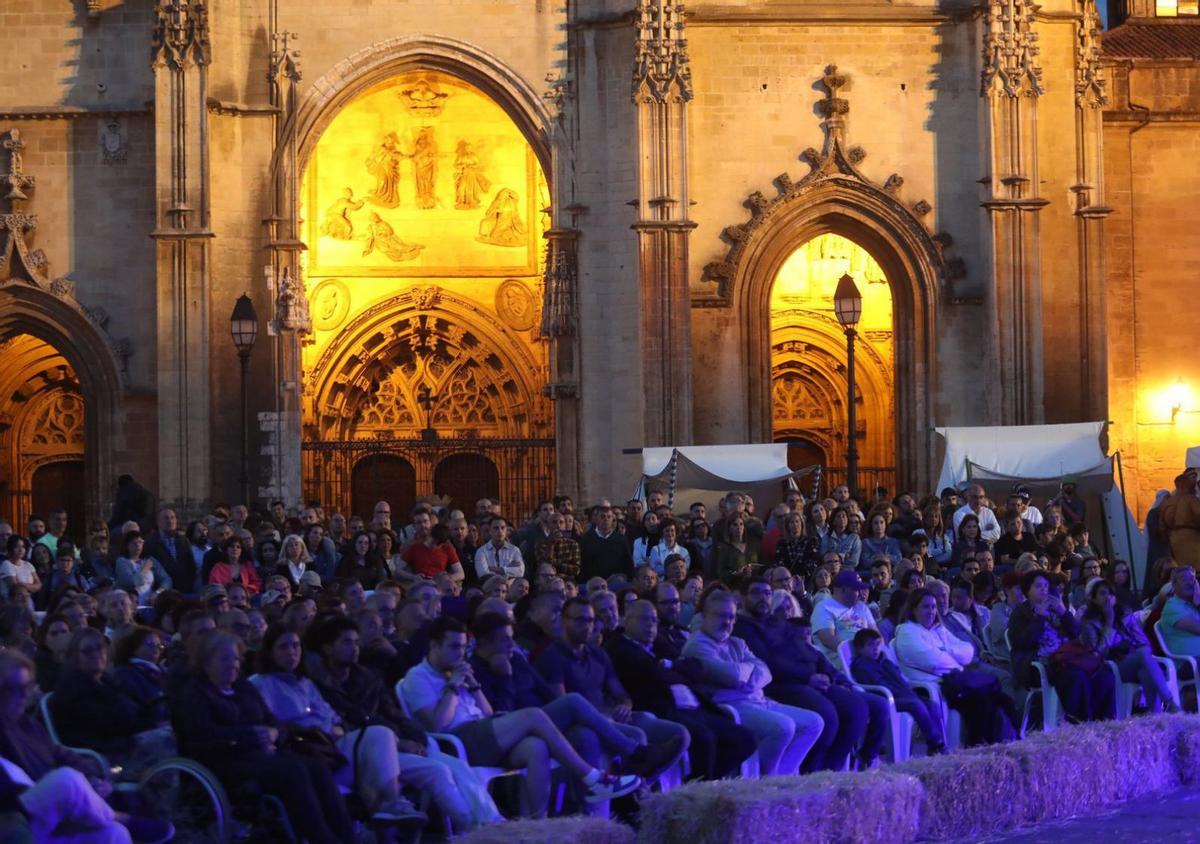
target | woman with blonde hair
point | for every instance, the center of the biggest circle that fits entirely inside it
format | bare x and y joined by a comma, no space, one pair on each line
294,559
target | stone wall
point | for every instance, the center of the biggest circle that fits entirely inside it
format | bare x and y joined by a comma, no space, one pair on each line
1151,146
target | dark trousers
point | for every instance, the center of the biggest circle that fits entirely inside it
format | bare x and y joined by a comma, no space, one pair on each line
852,719
928,717
719,746
303,784
1085,697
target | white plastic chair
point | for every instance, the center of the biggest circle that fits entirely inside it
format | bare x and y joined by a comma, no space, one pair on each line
952,722
900,724
751,770
1051,706
1178,662
452,744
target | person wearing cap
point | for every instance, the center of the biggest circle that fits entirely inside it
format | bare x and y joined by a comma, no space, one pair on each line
842,614
1112,631
1020,497
1179,517
310,582
803,677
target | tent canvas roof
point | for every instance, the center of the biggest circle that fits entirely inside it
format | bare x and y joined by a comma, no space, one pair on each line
1024,452
706,472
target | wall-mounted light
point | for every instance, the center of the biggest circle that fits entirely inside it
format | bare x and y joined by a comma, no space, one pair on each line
1179,395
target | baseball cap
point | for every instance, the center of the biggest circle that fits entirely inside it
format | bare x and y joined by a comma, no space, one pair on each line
849,579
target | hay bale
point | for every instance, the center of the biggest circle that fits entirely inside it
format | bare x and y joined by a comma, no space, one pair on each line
1120,759
966,794
1184,740
553,831
838,808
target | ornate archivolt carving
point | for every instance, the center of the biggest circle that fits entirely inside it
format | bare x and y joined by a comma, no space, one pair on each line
54,422
1090,85
1010,51
834,164
181,35
661,68
425,358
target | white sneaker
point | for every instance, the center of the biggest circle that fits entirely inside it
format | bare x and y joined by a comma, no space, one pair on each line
397,810
610,786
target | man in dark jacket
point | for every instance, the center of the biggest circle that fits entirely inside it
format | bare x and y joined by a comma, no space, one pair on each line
172,549
663,688
603,550
510,683
803,677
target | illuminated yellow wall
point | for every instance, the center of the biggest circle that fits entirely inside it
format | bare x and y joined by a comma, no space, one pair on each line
808,351
423,182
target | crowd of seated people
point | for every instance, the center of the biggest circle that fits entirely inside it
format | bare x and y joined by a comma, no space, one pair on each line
342,661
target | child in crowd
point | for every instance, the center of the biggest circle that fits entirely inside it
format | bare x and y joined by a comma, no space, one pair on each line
871,667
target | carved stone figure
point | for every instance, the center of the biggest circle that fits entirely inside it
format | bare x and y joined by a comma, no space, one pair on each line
331,303
384,165
469,182
112,143
425,167
381,236
501,224
337,223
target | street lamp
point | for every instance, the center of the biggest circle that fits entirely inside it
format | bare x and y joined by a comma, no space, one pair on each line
243,326
847,304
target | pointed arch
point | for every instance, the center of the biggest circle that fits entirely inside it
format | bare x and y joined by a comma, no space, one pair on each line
62,324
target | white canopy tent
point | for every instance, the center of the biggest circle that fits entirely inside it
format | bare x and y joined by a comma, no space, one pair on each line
706,472
1040,456
1193,458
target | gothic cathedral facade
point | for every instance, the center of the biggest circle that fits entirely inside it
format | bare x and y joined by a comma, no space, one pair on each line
493,246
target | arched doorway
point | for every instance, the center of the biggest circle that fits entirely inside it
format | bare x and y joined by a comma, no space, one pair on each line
809,385
465,478
425,202
42,434
383,477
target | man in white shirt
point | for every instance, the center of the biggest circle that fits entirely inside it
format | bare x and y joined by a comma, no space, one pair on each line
499,556
989,528
841,615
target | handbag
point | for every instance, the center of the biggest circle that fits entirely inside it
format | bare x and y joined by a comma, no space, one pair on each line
309,741
1077,656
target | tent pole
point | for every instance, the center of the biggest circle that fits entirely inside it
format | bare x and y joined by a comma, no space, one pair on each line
1128,533
674,472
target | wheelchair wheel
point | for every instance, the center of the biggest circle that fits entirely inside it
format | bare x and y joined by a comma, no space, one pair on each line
189,796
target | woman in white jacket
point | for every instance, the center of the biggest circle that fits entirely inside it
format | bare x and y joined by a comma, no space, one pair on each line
928,652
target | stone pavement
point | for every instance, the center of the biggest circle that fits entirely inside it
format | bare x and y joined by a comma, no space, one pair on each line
1173,818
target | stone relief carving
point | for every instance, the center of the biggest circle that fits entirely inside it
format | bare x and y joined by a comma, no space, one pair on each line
336,222
559,316
1090,85
291,305
426,297
661,68
330,304
381,236
16,179
470,184
502,224
1010,50
56,421
181,35
113,144
423,99
834,163
384,165
515,305
425,168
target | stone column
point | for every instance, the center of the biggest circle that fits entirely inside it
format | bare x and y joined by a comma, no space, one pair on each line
181,55
662,88
281,429
1012,83
1090,211
560,326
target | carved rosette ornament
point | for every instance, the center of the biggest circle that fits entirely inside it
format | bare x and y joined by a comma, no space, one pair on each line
1090,85
661,69
1010,50
181,34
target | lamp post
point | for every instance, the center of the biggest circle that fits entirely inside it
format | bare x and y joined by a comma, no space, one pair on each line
847,304
243,326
